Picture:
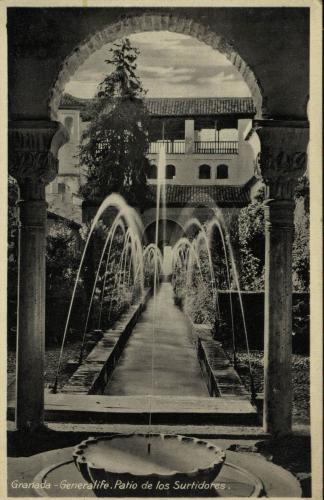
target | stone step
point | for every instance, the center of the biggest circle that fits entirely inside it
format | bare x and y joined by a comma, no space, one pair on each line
223,380
136,409
93,374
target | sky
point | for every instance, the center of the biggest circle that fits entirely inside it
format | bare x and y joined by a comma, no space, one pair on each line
169,65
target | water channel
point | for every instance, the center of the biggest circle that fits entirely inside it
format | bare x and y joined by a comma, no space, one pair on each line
176,367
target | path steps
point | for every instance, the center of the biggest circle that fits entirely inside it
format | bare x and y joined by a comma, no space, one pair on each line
180,392
166,410
222,379
93,374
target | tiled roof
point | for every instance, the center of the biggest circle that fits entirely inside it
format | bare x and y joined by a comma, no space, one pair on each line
180,106
71,223
198,106
68,101
204,195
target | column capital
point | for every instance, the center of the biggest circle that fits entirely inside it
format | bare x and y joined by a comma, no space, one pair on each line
33,148
283,157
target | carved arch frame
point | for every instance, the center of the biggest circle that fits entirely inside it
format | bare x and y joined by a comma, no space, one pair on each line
149,21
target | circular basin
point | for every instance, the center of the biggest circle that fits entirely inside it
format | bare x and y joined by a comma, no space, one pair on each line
161,460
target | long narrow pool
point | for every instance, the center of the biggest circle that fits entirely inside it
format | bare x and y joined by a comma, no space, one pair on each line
176,368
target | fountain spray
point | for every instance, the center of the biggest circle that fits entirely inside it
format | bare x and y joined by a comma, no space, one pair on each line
160,188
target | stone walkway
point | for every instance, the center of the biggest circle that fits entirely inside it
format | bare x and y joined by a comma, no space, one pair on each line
176,368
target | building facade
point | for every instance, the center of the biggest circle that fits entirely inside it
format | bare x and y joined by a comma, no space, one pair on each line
208,162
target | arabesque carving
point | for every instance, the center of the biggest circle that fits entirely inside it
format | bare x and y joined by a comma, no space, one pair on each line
33,148
36,166
282,159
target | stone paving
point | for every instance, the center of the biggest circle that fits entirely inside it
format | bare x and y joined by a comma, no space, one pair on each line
176,370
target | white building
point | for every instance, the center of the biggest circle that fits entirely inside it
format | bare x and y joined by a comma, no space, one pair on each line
208,159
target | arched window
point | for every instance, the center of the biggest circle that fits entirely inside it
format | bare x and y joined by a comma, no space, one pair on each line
204,172
152,173
170,172
222,172
68,122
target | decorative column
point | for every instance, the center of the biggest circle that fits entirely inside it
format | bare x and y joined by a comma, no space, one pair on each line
33,148
281,162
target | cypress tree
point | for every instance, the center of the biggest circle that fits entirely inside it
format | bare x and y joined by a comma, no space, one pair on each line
114,145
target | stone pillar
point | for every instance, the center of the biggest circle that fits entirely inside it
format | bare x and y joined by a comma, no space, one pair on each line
190,136
33,148
281,162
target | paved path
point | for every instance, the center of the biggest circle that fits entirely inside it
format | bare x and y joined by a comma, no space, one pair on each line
176,368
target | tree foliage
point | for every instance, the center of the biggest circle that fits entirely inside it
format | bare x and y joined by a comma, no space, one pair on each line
199,302
114,145
251,240
251,245
62,259
301,257
108,277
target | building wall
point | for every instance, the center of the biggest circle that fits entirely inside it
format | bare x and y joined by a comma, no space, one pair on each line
65,202
240,168
68,153
72,175
62,194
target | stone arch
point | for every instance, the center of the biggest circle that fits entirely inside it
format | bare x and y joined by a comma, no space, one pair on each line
149,21
204,171
152,173
173,231
222,171
170,171
170,217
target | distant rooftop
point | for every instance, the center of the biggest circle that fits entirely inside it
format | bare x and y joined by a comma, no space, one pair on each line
190,195
198,196
179,106
198,106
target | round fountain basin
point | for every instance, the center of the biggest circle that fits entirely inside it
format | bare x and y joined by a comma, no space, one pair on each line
126,458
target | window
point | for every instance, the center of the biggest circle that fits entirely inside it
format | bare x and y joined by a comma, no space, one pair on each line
61,188
68,122
222,172
152,173
204,172
170,172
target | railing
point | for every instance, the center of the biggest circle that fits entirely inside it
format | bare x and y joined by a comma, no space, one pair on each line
171,147
202,147
214,147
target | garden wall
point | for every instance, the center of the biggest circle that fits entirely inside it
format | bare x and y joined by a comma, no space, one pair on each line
56,311
253,303
57,308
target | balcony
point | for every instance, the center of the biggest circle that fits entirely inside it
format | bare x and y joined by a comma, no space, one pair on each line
200,147
216,147
171,147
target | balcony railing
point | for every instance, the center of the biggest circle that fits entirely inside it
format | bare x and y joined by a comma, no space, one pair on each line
214,147
202,147
171,147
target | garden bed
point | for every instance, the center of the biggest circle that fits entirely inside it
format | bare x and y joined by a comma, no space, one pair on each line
52,353
71,352
300,381
300,372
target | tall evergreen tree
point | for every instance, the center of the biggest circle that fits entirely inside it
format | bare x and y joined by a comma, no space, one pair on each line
114,145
